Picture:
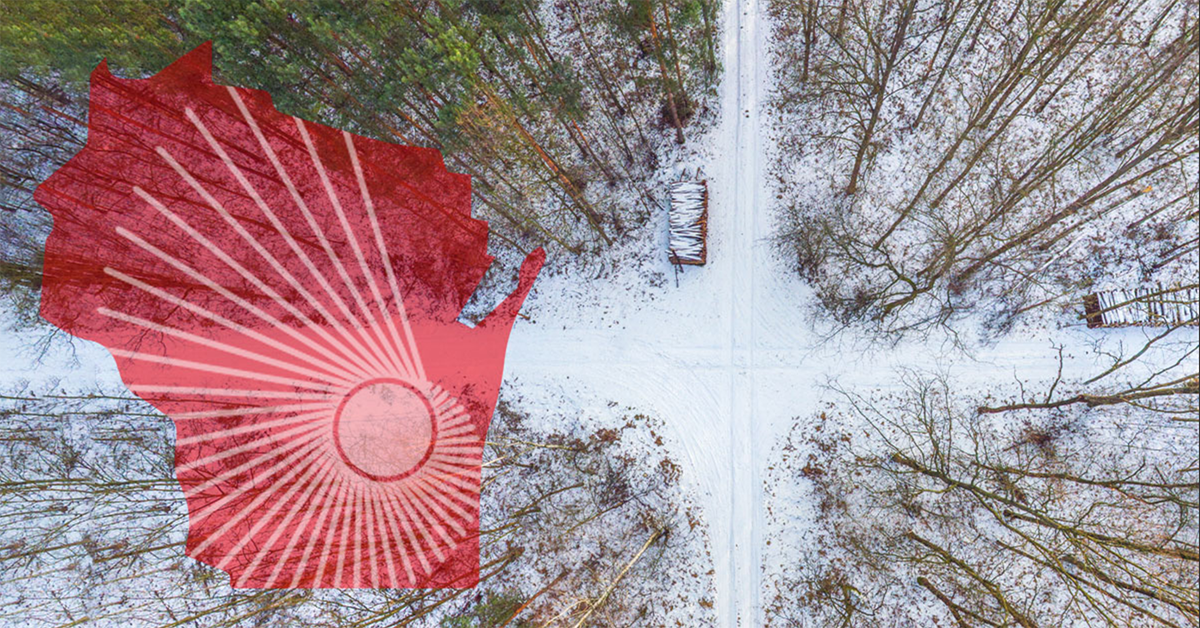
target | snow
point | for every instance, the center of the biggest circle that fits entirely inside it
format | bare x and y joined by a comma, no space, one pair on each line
734,358
43,362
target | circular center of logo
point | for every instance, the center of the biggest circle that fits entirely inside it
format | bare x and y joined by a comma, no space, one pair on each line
384,429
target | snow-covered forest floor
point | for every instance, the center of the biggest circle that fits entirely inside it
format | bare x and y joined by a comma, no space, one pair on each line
987,459
755,405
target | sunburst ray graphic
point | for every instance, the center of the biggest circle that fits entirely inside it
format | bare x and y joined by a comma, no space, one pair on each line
288,293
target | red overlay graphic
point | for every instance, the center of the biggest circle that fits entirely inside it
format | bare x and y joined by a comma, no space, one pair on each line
288,294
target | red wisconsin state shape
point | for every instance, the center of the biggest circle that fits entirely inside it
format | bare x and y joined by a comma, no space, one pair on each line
288,294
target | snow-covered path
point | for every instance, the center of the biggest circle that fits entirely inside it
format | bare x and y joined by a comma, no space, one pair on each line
700,357
740,188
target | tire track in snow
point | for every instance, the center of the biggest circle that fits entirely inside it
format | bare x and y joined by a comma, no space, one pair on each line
744,200
741,183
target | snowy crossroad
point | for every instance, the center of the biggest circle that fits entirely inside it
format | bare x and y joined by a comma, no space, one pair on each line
698,356
728,359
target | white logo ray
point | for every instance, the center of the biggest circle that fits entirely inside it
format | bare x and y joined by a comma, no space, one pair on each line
302,447
303,470
395,347
167,330
339,504
369,205
239,268
406,522
247,410
219,370
309,218
305,417
228,392
340,565
375,364
245,447
219,289
199,311
279,269
316,475
391,516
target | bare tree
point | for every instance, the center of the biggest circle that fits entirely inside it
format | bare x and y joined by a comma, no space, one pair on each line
574,531
1022,515
1029,149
